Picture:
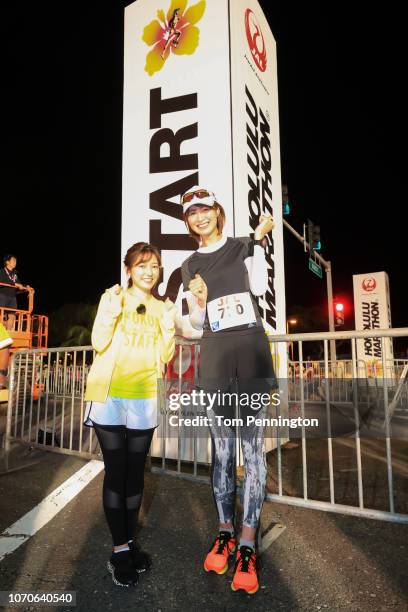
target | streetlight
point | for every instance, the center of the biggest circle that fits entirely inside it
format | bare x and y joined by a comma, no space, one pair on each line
290,322
290,345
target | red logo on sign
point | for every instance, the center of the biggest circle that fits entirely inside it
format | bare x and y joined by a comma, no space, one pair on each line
369,284
256,40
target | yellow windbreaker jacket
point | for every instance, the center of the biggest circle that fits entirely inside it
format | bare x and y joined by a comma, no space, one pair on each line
131,348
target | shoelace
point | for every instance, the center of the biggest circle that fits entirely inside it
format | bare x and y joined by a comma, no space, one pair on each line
247,560
222,543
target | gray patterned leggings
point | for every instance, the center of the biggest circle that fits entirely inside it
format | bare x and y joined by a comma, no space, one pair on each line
223,469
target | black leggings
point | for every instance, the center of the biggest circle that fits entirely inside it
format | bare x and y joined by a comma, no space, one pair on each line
124,453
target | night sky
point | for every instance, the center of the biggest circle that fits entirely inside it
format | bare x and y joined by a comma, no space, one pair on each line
339,75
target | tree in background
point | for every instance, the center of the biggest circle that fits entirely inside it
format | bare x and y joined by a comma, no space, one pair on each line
71,325
315,319
312,319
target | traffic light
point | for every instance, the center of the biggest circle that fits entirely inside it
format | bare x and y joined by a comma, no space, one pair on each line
285,200
313,236
338,313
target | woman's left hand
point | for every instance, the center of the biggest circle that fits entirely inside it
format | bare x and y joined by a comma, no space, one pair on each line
265,225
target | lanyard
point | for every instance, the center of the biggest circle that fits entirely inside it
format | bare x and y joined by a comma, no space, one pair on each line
12,277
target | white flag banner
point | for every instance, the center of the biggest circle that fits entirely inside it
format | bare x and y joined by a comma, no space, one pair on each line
372,310
256,151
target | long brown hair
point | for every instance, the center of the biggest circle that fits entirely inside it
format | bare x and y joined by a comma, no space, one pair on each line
220,221
141,251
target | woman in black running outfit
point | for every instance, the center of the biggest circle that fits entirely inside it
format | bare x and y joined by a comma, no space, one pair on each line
221,278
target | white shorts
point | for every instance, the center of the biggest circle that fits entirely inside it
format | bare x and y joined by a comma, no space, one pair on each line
132,413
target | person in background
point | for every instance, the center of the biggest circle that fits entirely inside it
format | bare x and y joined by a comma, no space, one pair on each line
8,299
133,335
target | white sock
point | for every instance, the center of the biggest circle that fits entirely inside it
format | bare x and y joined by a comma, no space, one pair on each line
122,550
249,543
228,529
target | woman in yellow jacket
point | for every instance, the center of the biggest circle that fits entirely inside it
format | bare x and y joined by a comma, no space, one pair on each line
133,336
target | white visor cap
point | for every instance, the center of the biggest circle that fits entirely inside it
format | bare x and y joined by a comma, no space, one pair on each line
208,200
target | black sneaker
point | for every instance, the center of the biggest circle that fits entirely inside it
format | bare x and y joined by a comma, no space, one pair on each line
121,567
140,559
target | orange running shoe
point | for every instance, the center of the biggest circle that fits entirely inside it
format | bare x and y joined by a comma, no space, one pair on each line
245,575
217,557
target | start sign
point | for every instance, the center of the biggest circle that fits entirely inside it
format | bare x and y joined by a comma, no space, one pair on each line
201,108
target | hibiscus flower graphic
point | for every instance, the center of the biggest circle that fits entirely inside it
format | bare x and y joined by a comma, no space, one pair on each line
172,33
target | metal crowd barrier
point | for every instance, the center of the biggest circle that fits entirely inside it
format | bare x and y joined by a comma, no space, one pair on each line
46,401
390,385
46,409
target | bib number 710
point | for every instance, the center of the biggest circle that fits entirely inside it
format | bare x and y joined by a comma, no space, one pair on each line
223,305
230,311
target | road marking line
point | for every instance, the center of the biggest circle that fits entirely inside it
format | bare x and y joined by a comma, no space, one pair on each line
20,531
271,536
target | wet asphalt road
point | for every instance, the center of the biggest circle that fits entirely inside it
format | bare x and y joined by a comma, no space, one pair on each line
321,561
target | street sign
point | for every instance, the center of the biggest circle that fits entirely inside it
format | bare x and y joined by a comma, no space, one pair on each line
315,267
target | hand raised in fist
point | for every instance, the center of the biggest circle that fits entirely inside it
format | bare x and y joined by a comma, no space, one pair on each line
199,289
265,225
115,300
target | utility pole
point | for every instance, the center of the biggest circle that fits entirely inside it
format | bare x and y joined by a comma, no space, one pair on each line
329,282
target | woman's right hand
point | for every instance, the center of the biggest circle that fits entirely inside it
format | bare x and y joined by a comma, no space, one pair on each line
115,297
199,289
169,314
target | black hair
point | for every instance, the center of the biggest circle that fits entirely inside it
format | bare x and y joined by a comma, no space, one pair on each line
7,257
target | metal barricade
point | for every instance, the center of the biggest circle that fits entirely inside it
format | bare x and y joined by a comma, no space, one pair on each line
46,410
46,401
366,400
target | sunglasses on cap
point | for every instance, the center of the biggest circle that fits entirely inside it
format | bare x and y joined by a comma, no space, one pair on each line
200,194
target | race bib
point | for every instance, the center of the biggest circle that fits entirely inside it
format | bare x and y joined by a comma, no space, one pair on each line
231,310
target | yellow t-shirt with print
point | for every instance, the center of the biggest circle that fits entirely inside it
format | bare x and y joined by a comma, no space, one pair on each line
143,340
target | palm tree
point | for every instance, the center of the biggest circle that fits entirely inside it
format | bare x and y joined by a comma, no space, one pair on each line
71,325
78,335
